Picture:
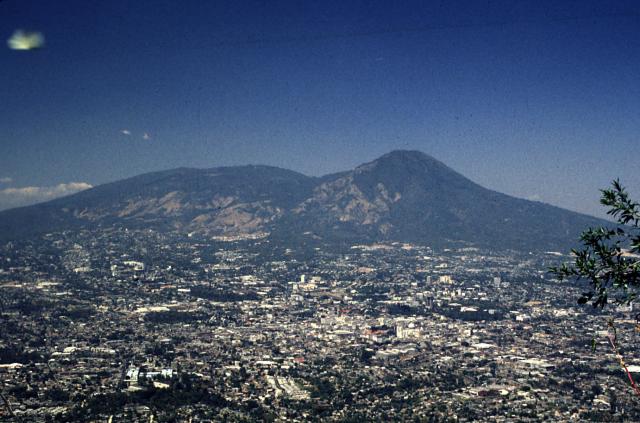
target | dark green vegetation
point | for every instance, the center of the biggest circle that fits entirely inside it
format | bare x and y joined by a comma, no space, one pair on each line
608,259
186,390
403,196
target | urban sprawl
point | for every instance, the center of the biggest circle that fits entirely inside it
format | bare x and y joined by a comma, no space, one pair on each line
136,325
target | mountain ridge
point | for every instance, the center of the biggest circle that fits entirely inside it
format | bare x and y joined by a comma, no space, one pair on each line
403,195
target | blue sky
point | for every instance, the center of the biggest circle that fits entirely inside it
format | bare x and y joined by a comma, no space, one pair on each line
536,99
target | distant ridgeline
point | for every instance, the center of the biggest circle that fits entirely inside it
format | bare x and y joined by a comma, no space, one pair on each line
403,196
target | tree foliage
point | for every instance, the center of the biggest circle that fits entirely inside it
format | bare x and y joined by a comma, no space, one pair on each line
609,257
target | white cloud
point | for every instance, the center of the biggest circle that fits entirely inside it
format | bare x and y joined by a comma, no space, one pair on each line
22,40
6,180
125,132
146,136
17,197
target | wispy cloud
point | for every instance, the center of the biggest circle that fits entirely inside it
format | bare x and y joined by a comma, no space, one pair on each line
17,197
6,180
127,133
